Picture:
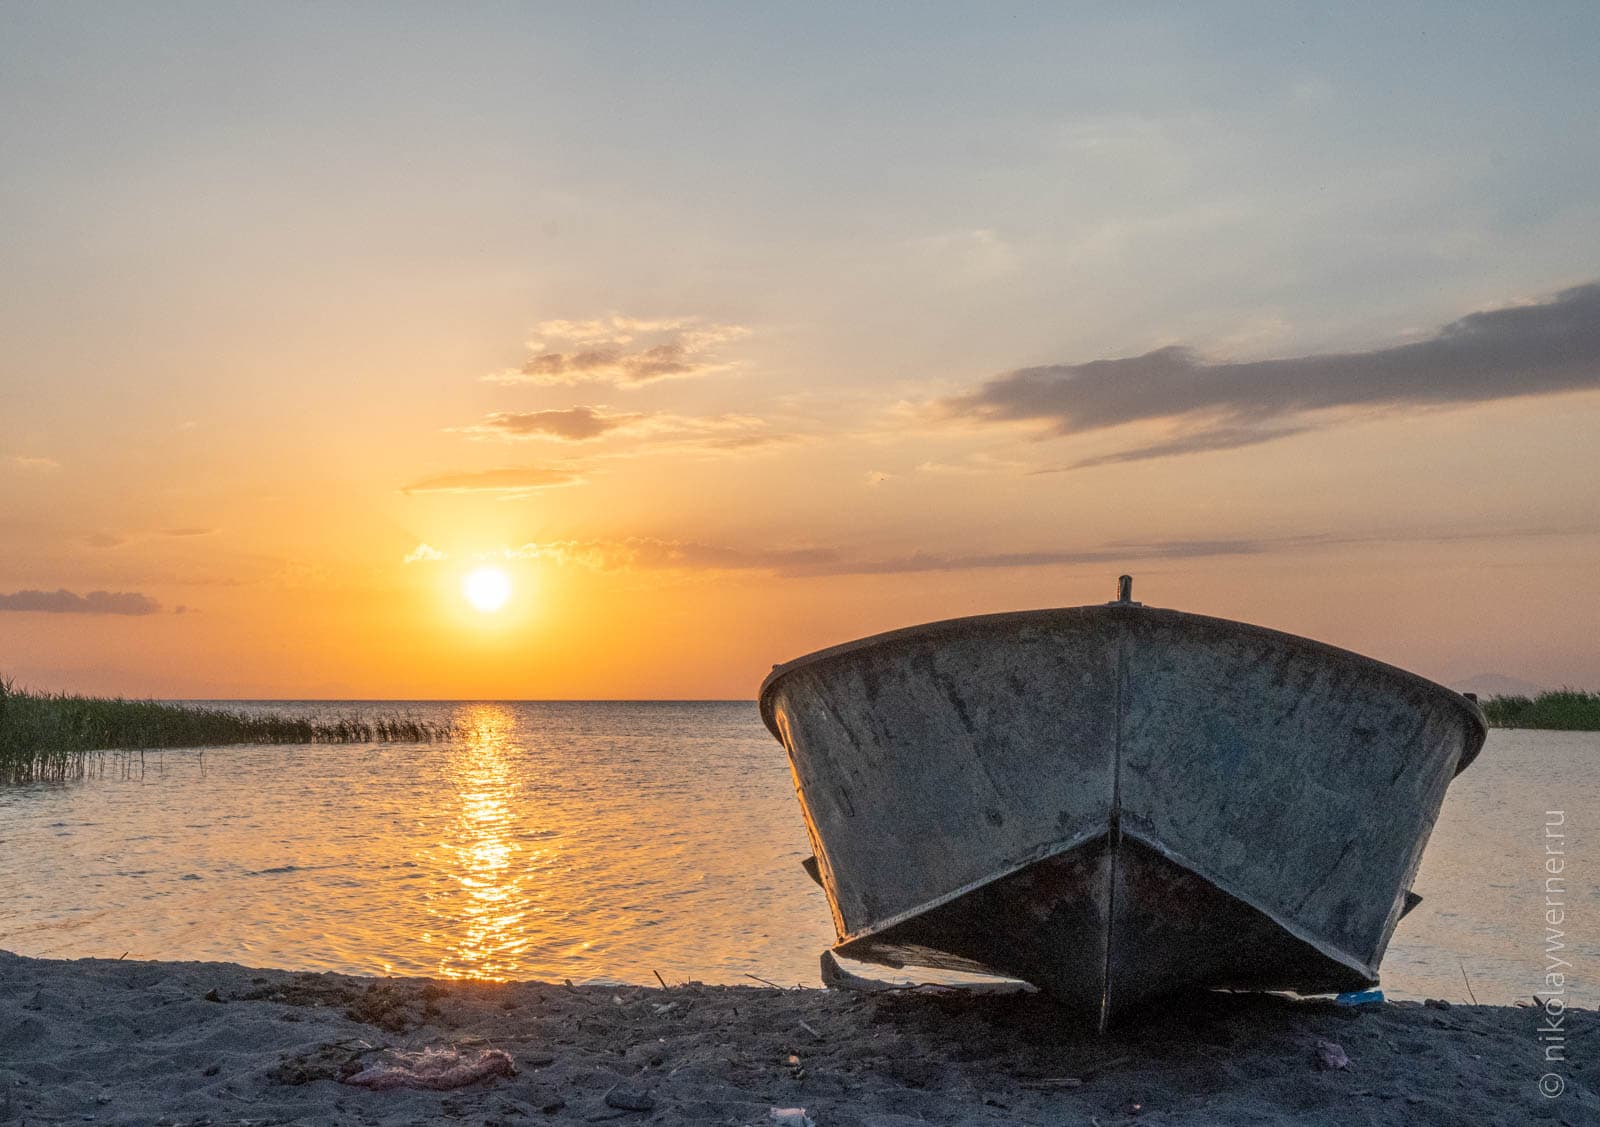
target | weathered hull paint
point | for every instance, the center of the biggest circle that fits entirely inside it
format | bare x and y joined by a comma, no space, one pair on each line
1117,802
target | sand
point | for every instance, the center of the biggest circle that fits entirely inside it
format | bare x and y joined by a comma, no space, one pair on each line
147,1043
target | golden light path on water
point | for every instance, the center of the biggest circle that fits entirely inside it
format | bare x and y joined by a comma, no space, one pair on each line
488,933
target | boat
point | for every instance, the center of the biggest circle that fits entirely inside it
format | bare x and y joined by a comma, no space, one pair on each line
1117,802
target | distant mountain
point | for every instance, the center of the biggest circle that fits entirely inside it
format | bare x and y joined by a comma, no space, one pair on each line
1497,685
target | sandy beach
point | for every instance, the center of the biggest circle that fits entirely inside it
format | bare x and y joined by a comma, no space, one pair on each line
125,1042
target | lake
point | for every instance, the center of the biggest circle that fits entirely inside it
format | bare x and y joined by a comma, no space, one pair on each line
614,841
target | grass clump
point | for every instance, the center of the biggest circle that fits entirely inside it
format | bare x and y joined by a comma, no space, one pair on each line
1568,710
55,737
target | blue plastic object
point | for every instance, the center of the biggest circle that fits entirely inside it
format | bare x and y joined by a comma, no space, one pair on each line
1360,998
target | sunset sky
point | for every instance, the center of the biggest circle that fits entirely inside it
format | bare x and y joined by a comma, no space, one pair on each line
730,333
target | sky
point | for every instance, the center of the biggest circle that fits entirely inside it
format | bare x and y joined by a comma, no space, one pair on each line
730,331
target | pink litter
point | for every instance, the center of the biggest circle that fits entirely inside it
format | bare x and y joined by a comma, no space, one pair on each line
438,1069
1330,1056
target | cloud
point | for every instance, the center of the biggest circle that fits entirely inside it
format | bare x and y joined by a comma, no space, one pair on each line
574,424
650,554
63,601
658,430
511,481
710,432
1188,442
625,351
972,464
425,553
33,465
102,539
644,553
983,561
1540,348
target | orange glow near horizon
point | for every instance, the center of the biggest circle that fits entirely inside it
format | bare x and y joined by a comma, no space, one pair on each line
293,350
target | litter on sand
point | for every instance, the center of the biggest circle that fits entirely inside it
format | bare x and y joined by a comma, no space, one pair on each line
1330,1056
434,1068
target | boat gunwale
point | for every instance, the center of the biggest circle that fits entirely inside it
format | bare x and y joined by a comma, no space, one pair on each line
1112,612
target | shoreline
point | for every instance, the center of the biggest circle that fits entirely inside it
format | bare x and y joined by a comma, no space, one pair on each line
148,1043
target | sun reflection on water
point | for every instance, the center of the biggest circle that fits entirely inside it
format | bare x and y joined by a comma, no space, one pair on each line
484,917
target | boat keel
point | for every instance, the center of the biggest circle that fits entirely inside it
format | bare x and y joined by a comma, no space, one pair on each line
1108,929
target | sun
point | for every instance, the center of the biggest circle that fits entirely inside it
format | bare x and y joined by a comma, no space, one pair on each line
486,588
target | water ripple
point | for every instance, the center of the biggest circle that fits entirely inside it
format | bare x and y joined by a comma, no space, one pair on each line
607,842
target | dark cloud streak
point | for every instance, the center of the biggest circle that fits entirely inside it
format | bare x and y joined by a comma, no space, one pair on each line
1538,349
62,601
1191,442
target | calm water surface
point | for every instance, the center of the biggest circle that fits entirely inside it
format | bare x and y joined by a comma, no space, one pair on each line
609,841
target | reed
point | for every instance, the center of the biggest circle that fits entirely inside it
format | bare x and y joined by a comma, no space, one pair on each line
1569,710
62,736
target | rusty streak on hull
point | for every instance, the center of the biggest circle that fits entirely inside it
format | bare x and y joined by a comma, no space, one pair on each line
1117,802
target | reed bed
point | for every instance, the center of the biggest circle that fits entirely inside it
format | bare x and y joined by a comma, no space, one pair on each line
1568,710
56,737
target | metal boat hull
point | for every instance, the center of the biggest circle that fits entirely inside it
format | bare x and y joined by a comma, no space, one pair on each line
1117,802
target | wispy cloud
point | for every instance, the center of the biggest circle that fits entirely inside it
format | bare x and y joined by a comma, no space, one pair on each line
643,553
99,538
63,601
1188,441
976,463
656,430
1539,348
573,424
425,553
985,561
510,481
625,351
652,554
29,464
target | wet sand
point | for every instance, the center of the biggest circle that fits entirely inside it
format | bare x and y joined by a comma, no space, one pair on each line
146,1043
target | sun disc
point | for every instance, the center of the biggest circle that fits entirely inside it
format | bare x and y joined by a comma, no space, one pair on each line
487,588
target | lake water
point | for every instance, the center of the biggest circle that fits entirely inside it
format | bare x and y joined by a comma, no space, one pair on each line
615,840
